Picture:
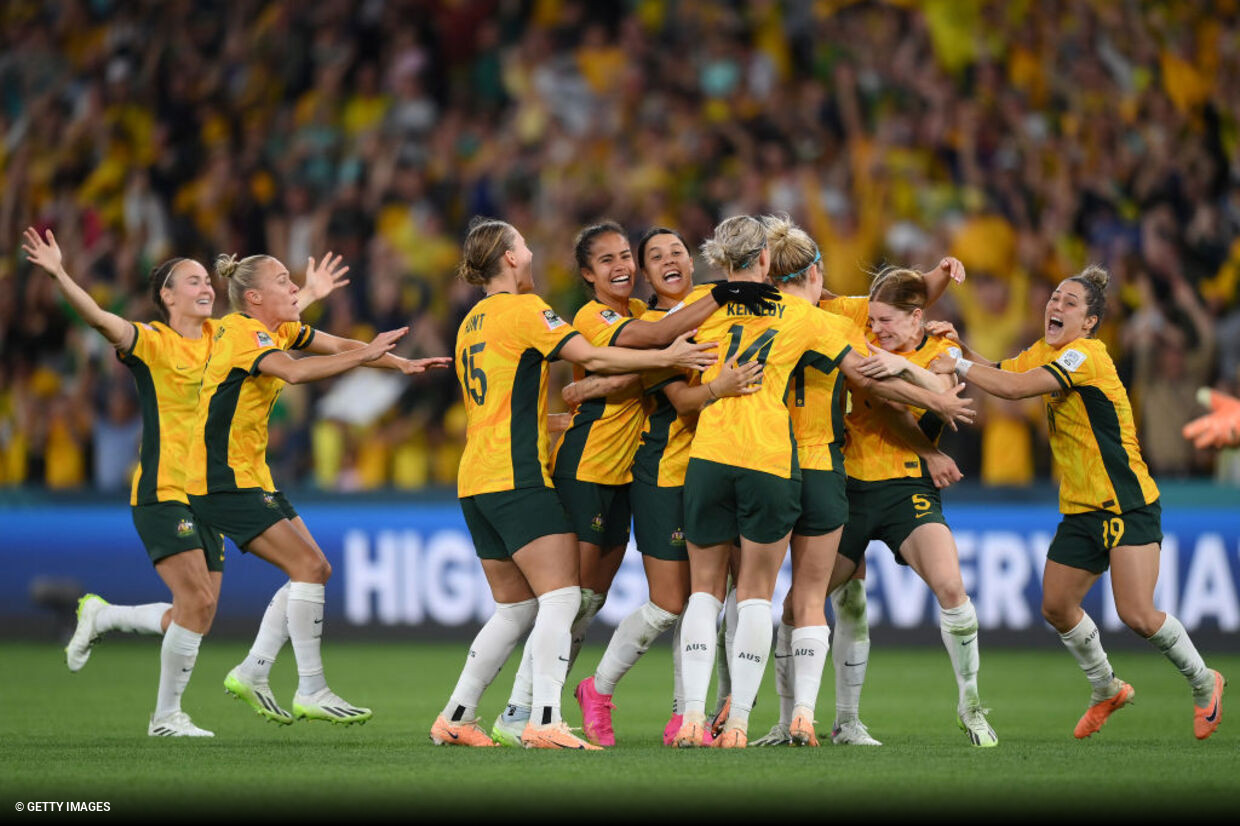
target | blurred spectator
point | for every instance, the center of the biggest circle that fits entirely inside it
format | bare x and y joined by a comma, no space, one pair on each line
1028,140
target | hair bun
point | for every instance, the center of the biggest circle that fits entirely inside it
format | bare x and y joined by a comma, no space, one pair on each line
226,265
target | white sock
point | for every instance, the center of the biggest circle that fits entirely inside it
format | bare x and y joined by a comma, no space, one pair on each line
177,656
851,654
549,644
783,671
678,670
1174,643
487,655
522,695
697,646
133,619
1085,644
749,652
723,651
631,639
958,627
272,634
809,654
591,602
305,629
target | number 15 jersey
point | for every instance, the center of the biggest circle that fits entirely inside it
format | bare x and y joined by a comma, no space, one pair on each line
755,431
502,351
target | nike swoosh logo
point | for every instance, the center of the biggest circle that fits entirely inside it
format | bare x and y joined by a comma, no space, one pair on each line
920,515
318,622
563,659
782,656
186,670
968,642
847,663
454,735
1213,715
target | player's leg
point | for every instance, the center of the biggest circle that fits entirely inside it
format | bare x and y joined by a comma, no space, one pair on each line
930,550
1134,573
668,582
708,569
194,590
515,611
813,559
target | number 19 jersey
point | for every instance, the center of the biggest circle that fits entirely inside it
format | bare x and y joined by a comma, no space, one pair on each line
755,431
503,348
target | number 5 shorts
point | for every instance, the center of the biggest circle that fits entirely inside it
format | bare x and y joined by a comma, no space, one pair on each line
888,510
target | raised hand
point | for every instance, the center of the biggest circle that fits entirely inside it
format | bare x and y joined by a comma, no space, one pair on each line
324,277
953,268
757,296
45,253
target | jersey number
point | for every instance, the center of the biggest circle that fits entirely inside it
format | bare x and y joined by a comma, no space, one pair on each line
758,351
921,502
475,378
1112,532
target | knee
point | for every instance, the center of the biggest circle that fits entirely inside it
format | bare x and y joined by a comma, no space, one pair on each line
1060,615
1142,619
198,604
315,569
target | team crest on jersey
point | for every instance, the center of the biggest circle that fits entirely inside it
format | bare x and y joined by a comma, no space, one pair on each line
610,316
185,527
269,501
1071,360
678,538
552,320
264,340
597,523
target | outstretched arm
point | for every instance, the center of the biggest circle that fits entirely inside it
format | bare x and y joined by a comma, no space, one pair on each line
640,334
46,253
946,401
313,368
681,353
327,344
1002,383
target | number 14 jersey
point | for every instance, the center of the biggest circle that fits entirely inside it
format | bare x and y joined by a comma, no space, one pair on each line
755,431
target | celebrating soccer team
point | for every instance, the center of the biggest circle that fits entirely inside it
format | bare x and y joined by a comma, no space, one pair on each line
727,424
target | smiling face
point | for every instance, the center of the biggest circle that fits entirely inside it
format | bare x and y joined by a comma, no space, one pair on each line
611,270
1067,316
188,294
668,267
894,329
273,296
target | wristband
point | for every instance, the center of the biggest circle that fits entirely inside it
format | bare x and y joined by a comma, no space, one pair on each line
962,366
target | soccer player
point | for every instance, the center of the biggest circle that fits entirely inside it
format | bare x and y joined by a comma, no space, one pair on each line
167,359
754,493
671,400
895,472
521,532
592,463
230,486
1111,513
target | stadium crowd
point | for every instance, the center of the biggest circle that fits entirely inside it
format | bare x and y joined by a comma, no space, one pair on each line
1027,139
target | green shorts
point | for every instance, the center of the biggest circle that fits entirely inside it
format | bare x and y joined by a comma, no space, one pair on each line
723,502
888,511
599,514
824,502
1085,540
659,521
242,515
504,522
169,528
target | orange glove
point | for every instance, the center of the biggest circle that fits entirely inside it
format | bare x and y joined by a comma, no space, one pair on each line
1218,428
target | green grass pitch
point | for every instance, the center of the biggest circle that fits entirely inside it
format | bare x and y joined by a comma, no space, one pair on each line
82,737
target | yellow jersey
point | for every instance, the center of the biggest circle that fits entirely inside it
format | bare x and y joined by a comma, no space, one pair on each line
662,456
755,431
229,449
602,438
816,402
168,370
503,348
1093,438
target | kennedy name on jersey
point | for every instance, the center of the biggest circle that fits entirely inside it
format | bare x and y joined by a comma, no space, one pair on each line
741,309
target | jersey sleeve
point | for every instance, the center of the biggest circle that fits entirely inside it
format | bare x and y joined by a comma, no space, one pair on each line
250,346
1023,361
295,335
148,344
833,336
853,307
599,323
541,328
1077,364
